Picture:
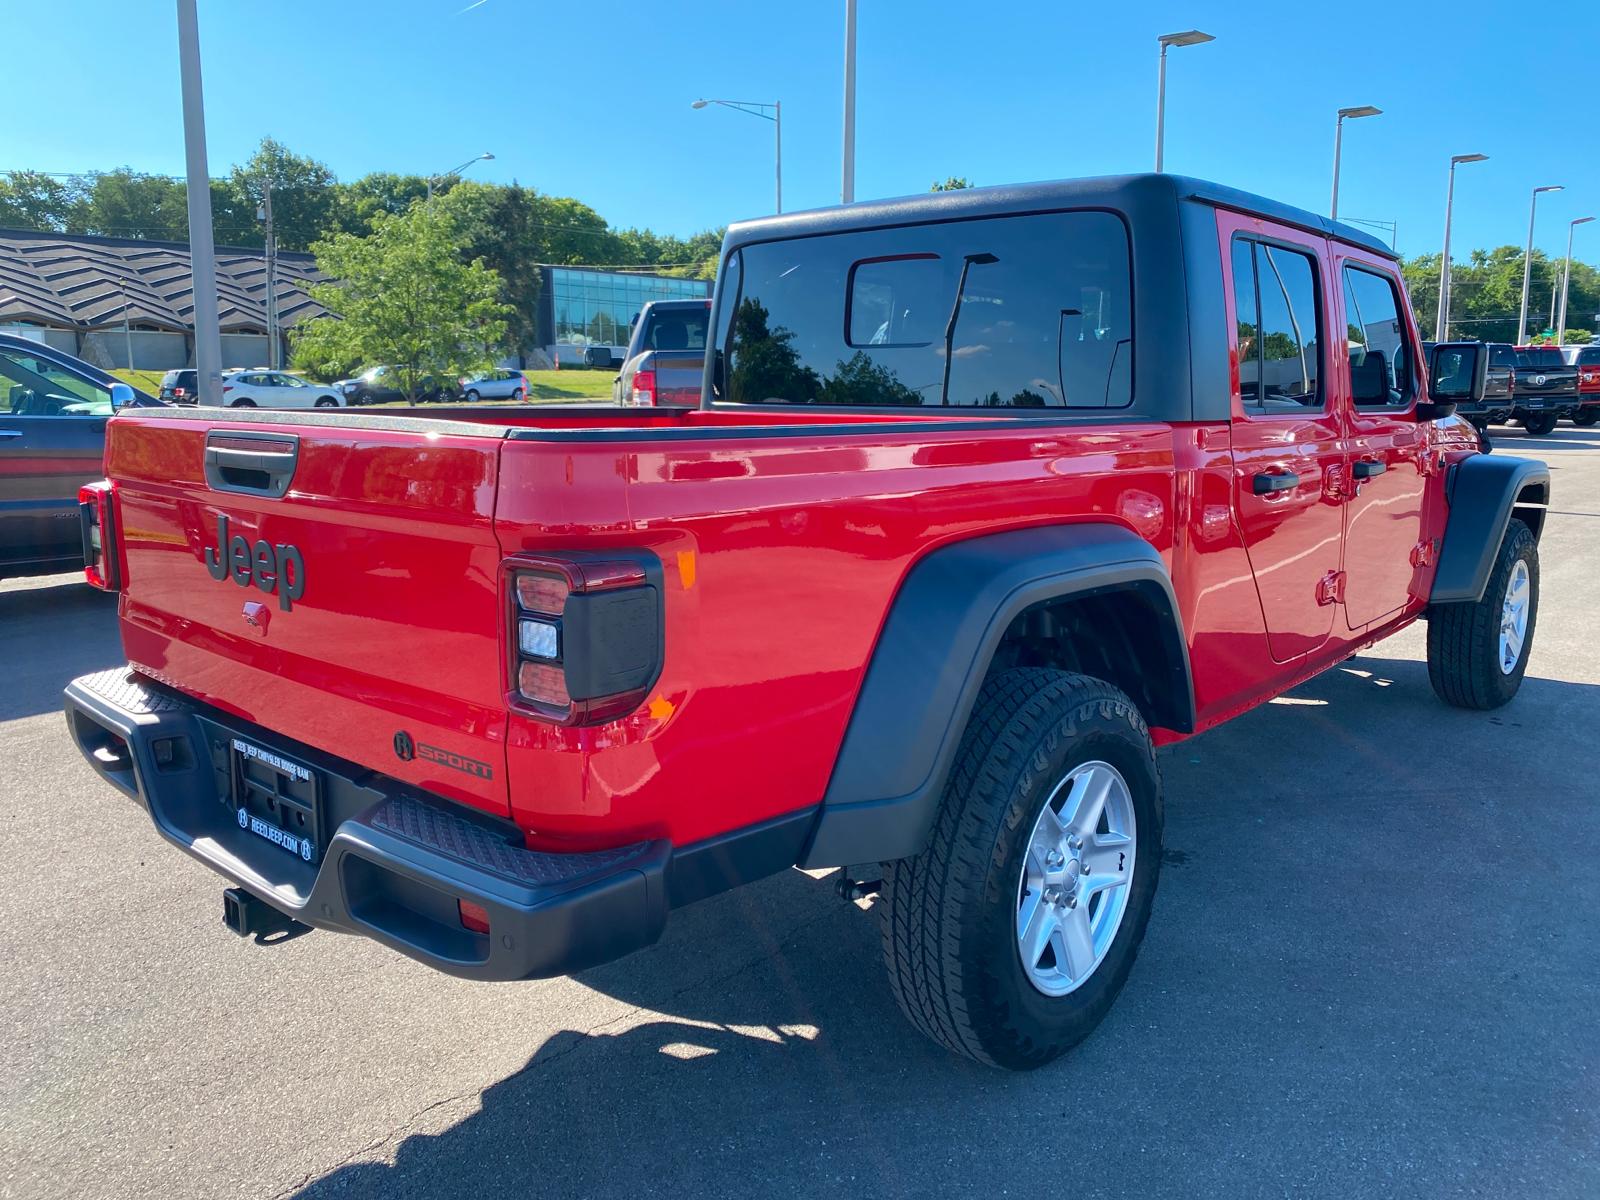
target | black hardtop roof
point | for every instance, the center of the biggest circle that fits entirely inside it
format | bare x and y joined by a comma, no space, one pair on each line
1116,192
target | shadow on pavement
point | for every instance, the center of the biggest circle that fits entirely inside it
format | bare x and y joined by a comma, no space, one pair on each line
1329,963
51,631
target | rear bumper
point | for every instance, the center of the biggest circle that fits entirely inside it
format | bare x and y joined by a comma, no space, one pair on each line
394,864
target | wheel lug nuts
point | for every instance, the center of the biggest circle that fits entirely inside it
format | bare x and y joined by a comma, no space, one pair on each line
1075,842
1054,859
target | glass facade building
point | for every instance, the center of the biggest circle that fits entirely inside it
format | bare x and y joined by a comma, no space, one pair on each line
580,307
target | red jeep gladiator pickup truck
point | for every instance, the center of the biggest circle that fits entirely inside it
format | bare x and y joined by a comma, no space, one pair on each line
987,495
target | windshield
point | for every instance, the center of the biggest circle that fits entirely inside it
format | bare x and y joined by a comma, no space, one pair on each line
36,387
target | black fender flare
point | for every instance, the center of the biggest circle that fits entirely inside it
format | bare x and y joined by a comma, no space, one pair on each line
1482,490
930,661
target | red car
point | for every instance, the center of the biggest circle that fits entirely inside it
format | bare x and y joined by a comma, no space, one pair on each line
1587,360
989,494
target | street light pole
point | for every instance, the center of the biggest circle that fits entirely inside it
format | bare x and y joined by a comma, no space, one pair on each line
1442,322
1527,261
757,108
476,158
847,183
1566,279
1361,110
271,248
1190,37
202,251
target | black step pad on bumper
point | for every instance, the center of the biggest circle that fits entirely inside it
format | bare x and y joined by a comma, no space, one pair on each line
397,864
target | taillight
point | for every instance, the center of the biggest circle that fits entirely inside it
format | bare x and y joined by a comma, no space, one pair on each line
178,393
227,387
97,523
586,635
644,387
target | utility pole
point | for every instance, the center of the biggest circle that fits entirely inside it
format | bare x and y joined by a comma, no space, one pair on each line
202,250
273,337
847,185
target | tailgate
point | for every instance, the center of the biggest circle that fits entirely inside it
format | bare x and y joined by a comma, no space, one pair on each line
333,582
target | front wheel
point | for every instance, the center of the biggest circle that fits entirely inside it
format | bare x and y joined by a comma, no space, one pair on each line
472,396
1478,653
327,402
243,404
1010,936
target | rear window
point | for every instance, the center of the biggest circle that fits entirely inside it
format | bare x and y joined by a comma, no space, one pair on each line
678,330
1540,356
1590,356
1502,356
1002,312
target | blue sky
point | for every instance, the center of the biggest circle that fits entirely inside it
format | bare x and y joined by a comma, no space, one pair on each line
592,99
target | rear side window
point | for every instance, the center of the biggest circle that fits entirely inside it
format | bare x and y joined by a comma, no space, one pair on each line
1278,317
1375,331
1002,312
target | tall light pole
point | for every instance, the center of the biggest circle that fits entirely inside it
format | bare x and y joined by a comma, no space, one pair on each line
1190,37
202,251
847,181
476,158
264,214
758,108
1442,322
1566,278
1361,110
1527,261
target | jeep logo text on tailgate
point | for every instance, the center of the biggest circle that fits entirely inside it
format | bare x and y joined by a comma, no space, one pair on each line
272,568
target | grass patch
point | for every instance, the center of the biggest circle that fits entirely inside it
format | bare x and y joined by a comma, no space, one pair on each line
148,382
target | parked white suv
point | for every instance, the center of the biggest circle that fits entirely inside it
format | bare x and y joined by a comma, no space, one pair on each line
256,387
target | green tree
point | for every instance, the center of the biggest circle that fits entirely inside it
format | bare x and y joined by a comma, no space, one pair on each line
123,203
31,200
303,198
952,183
405,299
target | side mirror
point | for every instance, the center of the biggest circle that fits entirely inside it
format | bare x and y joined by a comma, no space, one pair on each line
121,396
1457,372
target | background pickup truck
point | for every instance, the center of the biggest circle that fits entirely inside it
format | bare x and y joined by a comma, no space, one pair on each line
1544,389
988,494
666,354
53,410
1587,360
1494,406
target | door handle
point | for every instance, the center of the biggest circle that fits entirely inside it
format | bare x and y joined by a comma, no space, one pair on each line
1268,482
1366,468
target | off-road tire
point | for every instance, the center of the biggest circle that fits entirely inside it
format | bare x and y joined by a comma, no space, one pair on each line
1464,639
949,914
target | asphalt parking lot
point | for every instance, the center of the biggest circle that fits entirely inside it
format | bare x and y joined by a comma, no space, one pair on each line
1372,971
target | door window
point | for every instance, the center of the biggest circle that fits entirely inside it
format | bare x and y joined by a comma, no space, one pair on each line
35,387
1379,351
1277,321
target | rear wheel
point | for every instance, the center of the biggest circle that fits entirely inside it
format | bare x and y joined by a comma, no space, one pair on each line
472,396
1539,424
243,404
1478,653
518,395
1586,417
1010,936
327,402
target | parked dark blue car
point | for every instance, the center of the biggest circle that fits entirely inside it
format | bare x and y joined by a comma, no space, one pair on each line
53,412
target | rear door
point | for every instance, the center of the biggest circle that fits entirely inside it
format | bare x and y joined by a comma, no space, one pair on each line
1378,372
52,432
1288,453
336,584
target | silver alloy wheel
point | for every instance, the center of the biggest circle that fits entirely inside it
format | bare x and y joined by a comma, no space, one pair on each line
1514,617
1074,886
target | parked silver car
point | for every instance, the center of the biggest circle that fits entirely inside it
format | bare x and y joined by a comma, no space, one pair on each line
498,384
